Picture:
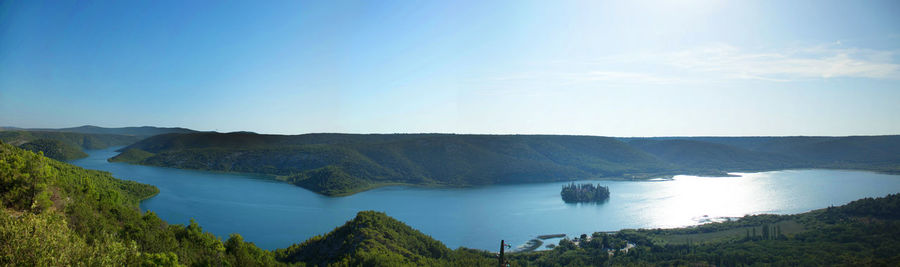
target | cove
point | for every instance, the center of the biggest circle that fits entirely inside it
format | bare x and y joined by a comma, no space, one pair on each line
273,214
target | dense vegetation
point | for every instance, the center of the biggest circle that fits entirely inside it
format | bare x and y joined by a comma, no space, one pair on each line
573,193
341,164
53,213
54,149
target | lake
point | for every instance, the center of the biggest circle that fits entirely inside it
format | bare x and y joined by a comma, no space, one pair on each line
275,215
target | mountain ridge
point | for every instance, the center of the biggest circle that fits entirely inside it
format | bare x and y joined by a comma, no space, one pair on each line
140,131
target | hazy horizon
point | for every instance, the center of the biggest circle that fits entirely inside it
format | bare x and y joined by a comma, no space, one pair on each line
452,133
604,68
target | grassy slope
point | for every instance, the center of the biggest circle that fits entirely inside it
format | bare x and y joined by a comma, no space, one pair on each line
341,164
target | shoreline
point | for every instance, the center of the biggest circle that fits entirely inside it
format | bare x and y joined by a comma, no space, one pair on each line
641,178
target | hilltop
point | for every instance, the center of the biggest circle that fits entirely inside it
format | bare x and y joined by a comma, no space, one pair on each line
375,239
341,164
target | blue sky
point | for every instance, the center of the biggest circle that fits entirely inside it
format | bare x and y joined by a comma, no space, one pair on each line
615,68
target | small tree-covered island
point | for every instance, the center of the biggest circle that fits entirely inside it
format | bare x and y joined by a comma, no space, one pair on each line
581,193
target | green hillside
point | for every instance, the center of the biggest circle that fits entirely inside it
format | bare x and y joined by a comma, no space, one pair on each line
55,214
54,149
699,155
342,164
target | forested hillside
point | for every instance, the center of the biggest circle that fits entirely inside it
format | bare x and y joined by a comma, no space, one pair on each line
54,149
55,214
340,164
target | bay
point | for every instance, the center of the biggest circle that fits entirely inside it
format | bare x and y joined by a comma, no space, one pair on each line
274,215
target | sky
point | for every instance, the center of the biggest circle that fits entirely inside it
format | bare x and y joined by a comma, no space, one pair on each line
611,68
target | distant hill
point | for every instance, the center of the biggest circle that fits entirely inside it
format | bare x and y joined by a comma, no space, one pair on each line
341,164
81,140
77,138
877,153
143,131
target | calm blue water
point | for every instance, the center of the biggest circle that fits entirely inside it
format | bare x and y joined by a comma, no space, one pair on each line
274,214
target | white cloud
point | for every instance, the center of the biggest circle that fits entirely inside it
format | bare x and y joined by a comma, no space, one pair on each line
718,63
787,65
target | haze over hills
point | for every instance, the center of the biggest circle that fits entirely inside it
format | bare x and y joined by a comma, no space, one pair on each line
64,145
340,164
143,131
67,143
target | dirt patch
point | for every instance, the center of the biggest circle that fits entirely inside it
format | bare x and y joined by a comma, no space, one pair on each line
59,203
